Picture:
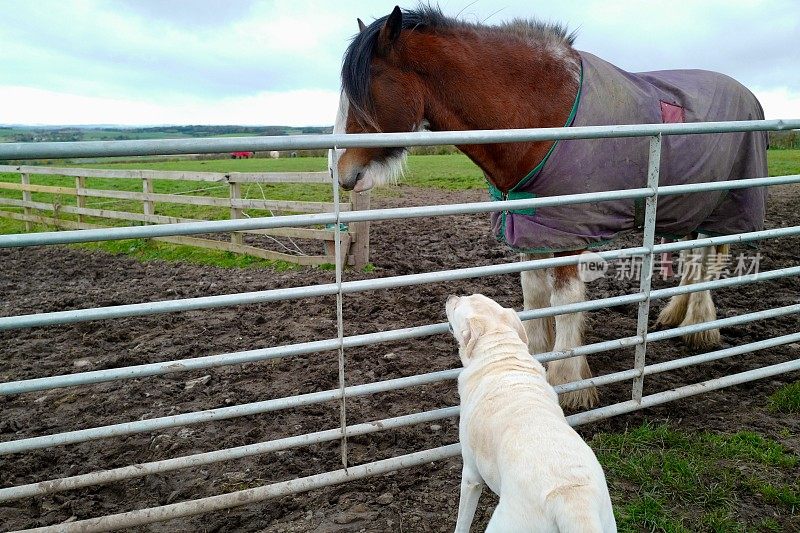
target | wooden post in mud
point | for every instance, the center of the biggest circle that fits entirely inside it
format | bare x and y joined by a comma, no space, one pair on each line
360,247
236,212
26,197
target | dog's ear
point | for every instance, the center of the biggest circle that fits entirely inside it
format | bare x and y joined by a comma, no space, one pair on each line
516,323
470,334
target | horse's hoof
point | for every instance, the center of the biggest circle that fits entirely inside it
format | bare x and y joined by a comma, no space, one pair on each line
703,340
579,399
673,314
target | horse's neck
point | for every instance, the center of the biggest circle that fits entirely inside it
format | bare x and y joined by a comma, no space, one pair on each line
497,85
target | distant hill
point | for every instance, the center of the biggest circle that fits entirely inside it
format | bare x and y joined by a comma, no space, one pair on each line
15,133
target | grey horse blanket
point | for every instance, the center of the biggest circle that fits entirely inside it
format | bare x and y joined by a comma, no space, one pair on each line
609,95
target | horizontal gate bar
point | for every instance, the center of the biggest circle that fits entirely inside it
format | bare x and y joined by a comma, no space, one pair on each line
59,150
142,517
209,302
683,392
221,413
254,495
723,322
249,356
239,452
666,366
273,295
360,429
220,226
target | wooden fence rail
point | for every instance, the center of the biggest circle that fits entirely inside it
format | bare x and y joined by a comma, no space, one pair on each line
355,241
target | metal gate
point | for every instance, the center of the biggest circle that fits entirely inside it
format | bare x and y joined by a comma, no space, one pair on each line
642,298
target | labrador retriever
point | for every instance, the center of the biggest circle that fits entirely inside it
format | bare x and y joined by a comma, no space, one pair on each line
514,437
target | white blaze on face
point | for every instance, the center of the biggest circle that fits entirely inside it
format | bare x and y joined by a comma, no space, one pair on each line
376,173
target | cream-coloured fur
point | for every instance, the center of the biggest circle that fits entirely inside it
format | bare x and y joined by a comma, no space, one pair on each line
514,437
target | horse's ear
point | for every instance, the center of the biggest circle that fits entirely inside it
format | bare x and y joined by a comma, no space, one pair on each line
391,30
361,25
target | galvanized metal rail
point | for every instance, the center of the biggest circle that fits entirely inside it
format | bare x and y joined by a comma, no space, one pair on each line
341,288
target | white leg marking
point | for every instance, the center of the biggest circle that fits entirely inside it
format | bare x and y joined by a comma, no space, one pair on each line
569,334
700,307
536,295
675,310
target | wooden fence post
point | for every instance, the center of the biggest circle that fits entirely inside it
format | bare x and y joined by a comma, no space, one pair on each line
80,199
26,197
360,247
149,205
236,212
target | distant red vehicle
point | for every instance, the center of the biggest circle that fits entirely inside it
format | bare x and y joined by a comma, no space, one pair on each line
242,155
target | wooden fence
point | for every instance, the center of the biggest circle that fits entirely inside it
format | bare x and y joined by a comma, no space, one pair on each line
355,240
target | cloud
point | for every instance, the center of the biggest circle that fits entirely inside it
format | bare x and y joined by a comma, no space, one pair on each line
24,105
779,102
204,55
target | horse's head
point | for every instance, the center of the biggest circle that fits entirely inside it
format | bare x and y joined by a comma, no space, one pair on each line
379,94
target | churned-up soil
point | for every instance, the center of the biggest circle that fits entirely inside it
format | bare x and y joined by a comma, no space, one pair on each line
418,499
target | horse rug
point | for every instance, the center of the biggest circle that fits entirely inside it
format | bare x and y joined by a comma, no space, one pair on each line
609,95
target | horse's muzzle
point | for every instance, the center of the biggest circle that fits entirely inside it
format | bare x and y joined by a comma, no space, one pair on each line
351,179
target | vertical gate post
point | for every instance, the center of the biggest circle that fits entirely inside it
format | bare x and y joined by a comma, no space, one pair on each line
235,189
339,254
26,197
653,167
80,199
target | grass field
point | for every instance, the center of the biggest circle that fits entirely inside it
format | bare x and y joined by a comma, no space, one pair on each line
445,171
453,172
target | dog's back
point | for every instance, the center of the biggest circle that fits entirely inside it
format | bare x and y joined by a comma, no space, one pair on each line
548,478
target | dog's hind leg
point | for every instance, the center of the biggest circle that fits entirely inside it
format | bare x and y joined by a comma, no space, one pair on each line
536,295
471,487
503,520
568,288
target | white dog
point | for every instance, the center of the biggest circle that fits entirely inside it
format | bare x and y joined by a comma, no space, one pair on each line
513,433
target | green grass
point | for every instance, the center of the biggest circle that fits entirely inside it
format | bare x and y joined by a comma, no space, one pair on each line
673,481
783,162
786,399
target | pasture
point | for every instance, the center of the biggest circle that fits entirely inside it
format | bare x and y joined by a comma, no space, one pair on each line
725,461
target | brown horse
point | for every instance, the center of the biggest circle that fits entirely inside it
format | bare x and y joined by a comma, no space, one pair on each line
414,70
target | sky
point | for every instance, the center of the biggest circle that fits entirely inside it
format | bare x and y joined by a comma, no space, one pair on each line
276,62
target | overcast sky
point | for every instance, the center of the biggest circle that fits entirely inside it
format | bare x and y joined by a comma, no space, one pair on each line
277,61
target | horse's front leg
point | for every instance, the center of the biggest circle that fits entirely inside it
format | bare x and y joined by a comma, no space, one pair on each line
536,295
568,288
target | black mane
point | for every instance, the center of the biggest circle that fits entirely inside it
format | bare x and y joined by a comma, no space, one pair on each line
356,71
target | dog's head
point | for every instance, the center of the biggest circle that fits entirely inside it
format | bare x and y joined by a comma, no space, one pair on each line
471,317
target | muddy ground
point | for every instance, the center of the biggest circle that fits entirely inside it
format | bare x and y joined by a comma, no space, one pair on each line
419,499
